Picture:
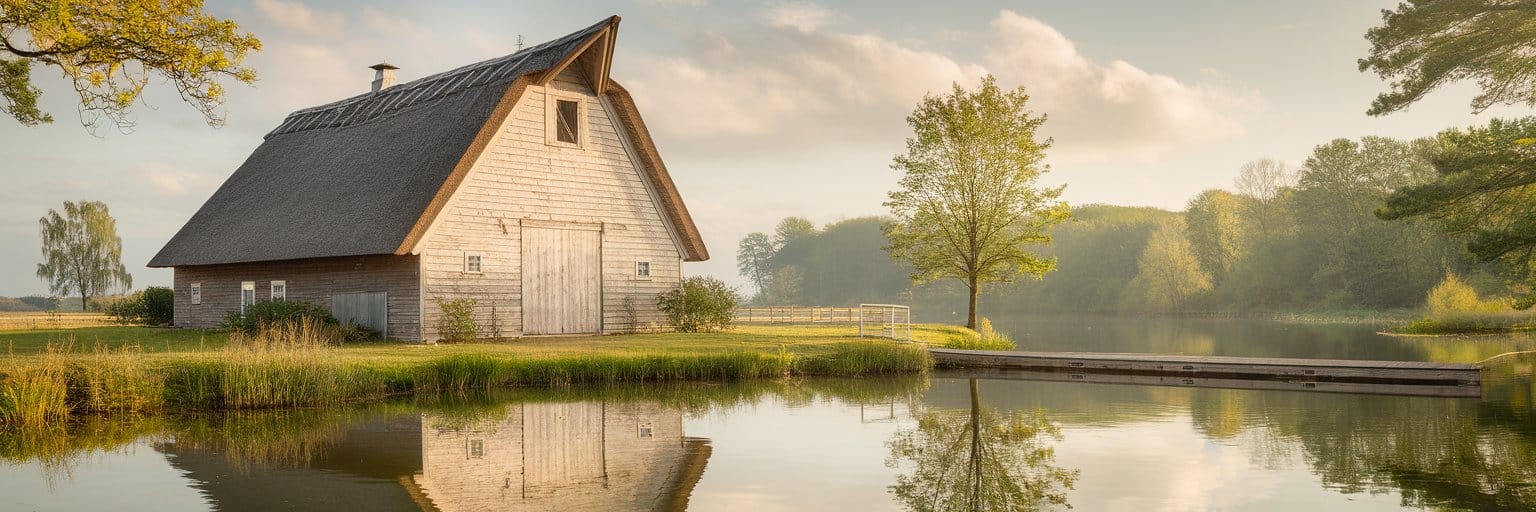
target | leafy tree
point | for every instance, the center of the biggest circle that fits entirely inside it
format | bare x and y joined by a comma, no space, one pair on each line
699,304
753,258
785,286
1264,181
791,229
1215,228
1485,188
82,253
1358,259
1425,44
969,206
109,49
1168,272
979,460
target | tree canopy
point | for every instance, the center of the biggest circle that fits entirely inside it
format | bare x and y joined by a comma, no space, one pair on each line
1485,189
82,253
109,49
1426,44
968,205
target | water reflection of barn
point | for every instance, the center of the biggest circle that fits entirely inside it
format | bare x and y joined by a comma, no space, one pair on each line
567,456
538,456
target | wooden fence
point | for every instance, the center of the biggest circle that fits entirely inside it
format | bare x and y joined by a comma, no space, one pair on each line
798,315
50,320
879,320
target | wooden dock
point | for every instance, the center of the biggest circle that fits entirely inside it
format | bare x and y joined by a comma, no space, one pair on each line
1219,367
1177,381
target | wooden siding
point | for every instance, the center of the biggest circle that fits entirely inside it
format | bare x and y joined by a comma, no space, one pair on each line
574,456
521,178
310,280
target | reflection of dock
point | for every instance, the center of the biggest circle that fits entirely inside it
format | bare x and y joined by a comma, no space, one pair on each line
1444,391
1313,371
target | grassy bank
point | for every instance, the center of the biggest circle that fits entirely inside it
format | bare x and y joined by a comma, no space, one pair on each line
48,377
1468,323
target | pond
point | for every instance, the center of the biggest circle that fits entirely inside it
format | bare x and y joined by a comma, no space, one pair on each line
943,441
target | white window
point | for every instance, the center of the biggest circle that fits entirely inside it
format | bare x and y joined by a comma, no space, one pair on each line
472,263
476,449
643,269
646,431
247,295
197,293
566,123
279,290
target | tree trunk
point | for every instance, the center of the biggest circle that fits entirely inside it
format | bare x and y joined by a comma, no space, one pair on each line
970,316
84,299
975,446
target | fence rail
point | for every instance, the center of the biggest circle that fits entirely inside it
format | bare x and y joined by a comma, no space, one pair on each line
877,320
46,320
798,315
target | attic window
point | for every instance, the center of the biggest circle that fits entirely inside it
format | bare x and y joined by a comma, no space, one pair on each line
566,122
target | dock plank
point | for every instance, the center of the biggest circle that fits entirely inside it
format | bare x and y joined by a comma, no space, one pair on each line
1318,370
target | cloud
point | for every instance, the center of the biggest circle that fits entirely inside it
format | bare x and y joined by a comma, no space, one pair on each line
796,83
672,3
297,17
1104,110
166,179
395,26
805,17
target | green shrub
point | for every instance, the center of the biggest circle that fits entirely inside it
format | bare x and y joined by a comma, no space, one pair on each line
1452,296
270,313
457,322
699,304
155,305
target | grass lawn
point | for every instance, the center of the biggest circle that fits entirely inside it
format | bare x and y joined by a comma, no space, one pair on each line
766,338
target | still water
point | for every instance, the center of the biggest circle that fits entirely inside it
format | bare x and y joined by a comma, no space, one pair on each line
941,442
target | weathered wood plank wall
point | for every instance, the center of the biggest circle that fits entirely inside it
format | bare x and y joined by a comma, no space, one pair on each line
310,280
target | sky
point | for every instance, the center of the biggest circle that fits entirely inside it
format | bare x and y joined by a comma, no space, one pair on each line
763,110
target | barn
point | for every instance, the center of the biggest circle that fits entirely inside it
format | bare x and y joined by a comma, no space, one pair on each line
527,183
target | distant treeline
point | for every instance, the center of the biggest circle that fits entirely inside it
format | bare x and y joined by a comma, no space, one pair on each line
29,303
1283,240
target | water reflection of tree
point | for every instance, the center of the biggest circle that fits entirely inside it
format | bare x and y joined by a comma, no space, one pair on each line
980,460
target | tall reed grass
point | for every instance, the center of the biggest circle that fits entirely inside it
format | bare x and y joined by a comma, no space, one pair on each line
298,365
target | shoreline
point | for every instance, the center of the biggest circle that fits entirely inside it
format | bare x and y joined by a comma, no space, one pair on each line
45,387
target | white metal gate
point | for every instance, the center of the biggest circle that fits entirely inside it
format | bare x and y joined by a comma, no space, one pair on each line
562,280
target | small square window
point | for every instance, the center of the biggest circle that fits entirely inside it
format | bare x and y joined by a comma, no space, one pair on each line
247,295
279,290
568,121
646,431
642,269
476,448
197,293
472,263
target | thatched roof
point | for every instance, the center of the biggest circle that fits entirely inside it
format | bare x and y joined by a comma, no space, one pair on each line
367,174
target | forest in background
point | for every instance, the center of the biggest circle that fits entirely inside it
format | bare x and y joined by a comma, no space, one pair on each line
1281,240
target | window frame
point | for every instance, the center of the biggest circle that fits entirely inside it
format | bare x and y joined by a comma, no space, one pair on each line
645,274
645,430
479,263
244,287
474,448
195,291
272,290
553,97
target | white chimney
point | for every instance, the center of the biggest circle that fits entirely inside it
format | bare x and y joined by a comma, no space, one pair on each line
383,75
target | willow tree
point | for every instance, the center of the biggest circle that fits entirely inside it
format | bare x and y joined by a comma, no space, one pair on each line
109,50
969,206
82,253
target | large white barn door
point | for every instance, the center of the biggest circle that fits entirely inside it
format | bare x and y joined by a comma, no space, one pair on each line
562,280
